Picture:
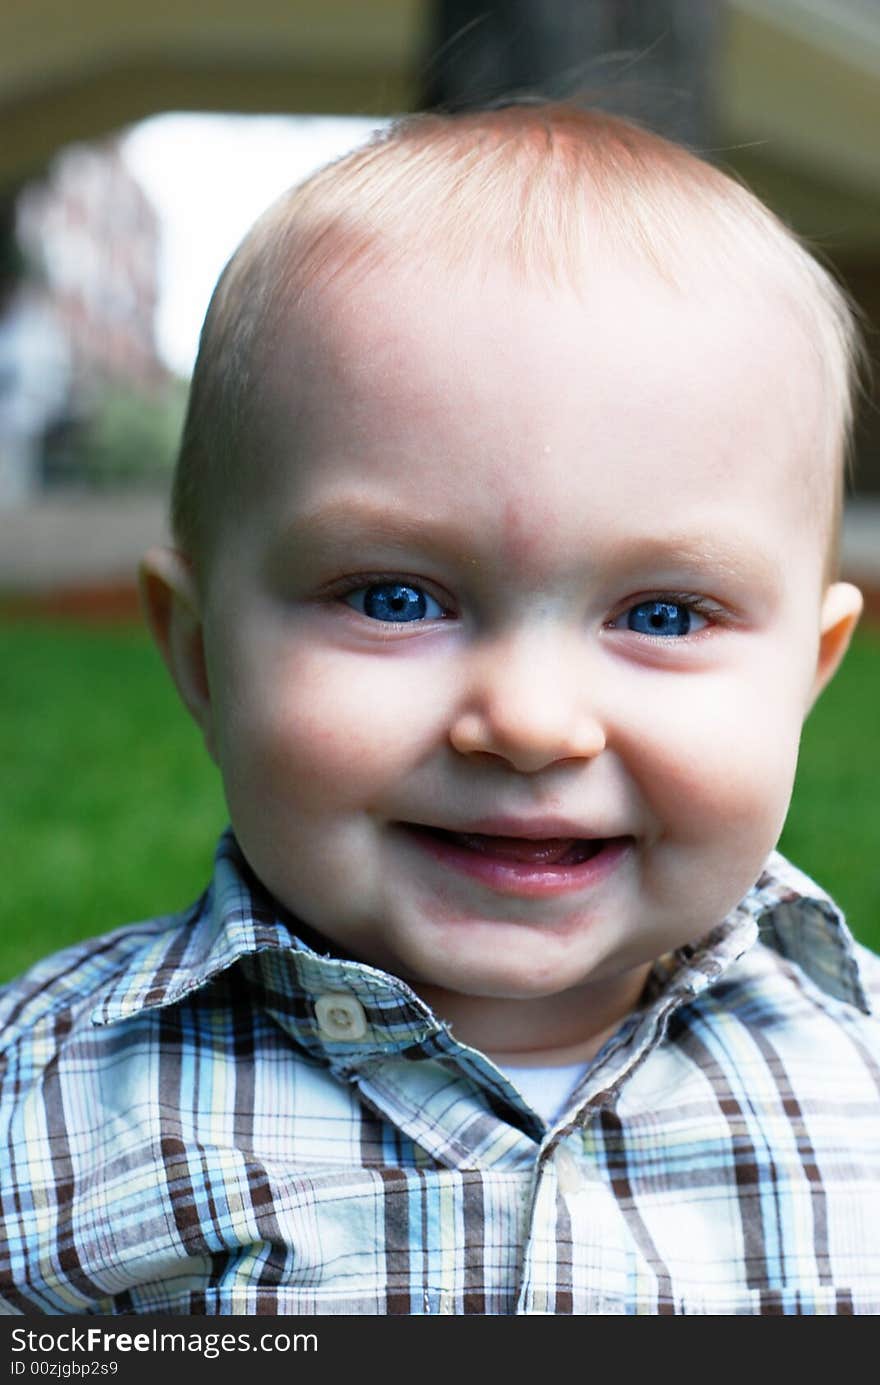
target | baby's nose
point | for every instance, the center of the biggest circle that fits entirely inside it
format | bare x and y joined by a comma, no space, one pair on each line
526,703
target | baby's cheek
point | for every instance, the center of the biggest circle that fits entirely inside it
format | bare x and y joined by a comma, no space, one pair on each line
331,733
726,763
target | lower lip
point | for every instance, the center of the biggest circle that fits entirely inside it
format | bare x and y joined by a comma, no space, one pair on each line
522,877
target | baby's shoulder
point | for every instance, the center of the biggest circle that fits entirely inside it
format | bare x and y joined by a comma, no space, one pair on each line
867,1021
806,1005
869,972
71,982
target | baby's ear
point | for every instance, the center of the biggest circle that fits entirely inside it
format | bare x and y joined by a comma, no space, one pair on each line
171,605
841,608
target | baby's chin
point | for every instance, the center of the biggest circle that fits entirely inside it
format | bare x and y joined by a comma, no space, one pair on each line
512,973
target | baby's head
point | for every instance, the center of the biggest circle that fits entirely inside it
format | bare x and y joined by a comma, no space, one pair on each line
506,524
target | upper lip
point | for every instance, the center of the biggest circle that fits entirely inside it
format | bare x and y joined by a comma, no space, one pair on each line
531,829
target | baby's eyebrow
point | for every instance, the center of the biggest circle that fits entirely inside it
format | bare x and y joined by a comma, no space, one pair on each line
342,522
339,521
725,556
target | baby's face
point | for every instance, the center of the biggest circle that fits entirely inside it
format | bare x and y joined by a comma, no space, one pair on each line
509,657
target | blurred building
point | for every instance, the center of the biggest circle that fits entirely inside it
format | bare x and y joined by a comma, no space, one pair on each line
785,93
78,316
95,238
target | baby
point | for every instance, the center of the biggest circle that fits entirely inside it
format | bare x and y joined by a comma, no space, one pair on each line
503,580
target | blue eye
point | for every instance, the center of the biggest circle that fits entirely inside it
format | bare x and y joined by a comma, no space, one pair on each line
663,618
396,602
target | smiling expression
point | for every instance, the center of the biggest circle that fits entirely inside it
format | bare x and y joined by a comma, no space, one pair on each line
510,648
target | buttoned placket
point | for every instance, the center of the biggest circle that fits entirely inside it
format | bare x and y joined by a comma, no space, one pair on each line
577,1248
573,1200
560,1183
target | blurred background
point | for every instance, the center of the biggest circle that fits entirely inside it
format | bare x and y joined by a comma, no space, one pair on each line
137,144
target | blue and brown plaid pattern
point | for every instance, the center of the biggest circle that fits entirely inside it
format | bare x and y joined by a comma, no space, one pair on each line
180,1132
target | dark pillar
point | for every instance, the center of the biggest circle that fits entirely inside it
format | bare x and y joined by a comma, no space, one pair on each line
649,59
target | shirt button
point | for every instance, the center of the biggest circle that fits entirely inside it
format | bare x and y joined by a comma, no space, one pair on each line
568,1175
340,1016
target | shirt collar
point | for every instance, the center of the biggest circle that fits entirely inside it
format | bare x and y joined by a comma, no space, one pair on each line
803,924
790,914
237,922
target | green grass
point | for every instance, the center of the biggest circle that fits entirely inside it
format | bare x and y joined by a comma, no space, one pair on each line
110,807
833,827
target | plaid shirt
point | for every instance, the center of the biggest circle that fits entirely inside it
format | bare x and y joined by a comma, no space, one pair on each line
203,1114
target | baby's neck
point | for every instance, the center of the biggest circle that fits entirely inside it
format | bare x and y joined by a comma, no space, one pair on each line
561,1057
547,1031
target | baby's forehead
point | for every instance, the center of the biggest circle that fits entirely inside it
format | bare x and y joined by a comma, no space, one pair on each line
411,329
401,374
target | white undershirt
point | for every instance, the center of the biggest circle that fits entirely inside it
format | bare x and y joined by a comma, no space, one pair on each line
545,1089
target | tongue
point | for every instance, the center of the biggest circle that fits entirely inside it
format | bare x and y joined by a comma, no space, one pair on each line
548,851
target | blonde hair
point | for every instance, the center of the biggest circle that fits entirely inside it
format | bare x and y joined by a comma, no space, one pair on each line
540,186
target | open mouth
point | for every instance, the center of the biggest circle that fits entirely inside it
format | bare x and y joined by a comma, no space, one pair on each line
524,867
526,851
